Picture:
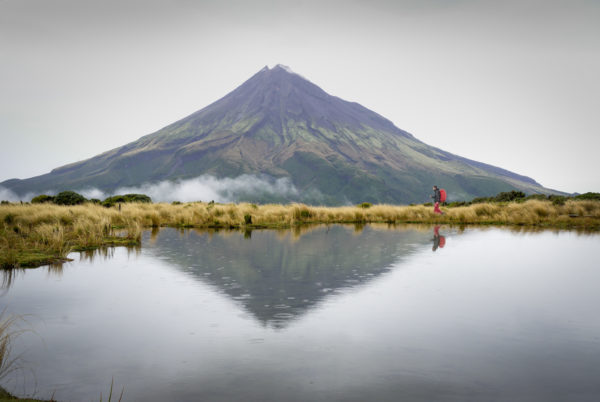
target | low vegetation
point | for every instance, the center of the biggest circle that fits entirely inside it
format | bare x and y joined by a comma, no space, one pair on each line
42,233
7,334
73,198
519,196
8,362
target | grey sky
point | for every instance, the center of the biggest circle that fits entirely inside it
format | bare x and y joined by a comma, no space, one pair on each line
511,83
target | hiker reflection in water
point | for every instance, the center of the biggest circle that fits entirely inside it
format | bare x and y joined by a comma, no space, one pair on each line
438,239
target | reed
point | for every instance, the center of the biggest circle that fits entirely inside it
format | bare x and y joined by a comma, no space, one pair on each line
36,234
8,363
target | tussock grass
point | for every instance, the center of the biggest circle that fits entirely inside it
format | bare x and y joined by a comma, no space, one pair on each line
35,234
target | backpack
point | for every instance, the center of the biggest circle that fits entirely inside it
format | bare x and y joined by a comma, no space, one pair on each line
442,195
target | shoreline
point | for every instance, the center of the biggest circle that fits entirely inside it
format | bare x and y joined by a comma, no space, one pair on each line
32,235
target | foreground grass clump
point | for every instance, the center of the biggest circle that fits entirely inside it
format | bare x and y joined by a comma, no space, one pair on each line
7,334
8,362
36,234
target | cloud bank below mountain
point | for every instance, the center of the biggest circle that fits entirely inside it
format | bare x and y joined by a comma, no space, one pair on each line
202,188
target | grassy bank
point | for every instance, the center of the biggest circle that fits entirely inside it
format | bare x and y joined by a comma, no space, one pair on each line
36,234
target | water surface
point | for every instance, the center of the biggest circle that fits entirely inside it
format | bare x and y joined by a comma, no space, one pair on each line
332,313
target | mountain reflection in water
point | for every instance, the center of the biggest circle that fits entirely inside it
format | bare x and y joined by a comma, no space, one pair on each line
277,276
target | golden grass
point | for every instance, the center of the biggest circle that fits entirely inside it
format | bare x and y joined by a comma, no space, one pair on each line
34,234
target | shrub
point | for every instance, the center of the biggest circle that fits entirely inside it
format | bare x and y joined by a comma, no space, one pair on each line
123,198
42,198
479,200
509,196
506,196
176,203
365,205
557,199
540,197
588,196
457,204
128,198
248,219
9,218
69,198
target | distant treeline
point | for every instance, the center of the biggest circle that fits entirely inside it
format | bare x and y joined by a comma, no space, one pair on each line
519,196
73,198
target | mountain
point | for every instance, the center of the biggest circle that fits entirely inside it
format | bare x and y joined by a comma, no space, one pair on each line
278,124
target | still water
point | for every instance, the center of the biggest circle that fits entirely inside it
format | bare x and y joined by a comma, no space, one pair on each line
328,313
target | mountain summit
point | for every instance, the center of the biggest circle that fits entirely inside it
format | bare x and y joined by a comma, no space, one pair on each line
279,124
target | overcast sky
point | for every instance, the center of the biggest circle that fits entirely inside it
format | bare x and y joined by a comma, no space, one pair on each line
512,83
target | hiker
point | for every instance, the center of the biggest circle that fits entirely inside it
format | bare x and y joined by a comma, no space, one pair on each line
436,199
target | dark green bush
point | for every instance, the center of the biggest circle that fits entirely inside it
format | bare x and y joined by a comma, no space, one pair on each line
128,198
9,219
42,198
122,198
248,219
506,196
365,205
69,198
588,196
557,199
541,197
509,196
457,204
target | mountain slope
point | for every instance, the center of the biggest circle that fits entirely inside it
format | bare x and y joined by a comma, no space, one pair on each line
281,125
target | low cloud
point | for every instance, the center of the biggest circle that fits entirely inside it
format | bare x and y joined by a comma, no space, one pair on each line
208,188
202,188
7,195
